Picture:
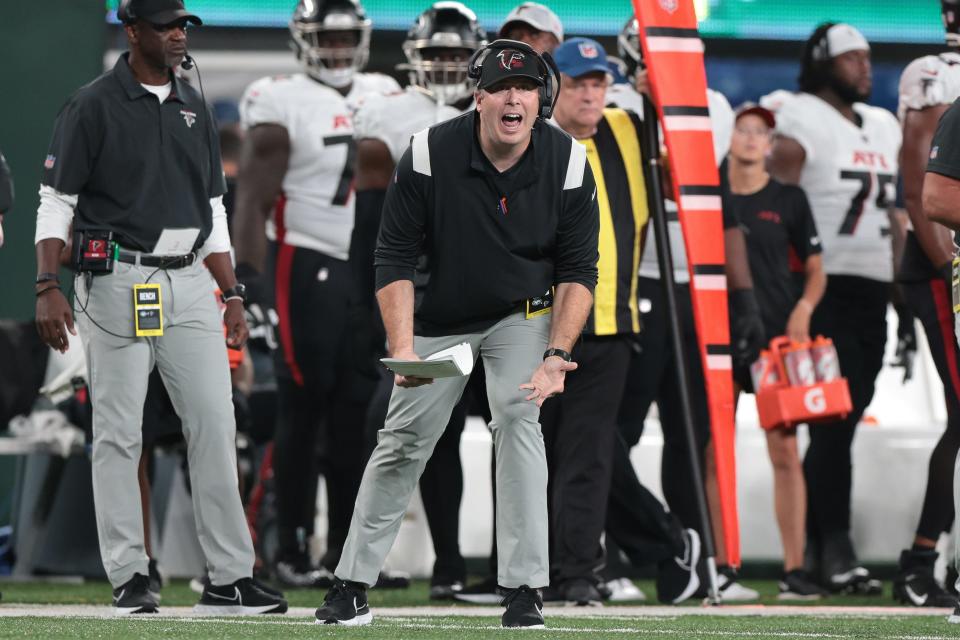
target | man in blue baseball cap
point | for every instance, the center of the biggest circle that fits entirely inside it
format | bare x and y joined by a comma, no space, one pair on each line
579,427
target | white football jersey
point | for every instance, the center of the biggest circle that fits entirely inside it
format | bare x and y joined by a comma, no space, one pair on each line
316,210
850,177
929,81
394,117
623,95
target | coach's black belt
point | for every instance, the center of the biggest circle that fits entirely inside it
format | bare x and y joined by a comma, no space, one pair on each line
161,262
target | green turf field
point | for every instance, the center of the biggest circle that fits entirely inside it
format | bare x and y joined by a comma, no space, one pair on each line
58,617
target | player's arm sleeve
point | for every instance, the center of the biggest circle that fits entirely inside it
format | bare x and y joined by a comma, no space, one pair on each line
402,226
6,186
259,105
791,123
945,150
803,233
369,122
578,229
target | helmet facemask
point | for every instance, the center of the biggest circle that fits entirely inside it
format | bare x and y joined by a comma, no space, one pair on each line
332,51
628,47
439,70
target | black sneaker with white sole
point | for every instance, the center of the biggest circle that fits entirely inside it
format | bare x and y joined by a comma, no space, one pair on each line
915,584
346,604
677,577
524,608
579,592
796,585
134,596
244,598
954,617
841,573
485,592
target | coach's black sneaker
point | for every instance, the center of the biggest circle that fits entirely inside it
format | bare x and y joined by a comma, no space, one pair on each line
915,584
346,604
579,592
244,597
524,608
841,571
796,585
301,574
134,596
677,577
156,580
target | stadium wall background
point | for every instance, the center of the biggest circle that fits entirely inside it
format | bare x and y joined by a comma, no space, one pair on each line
48,50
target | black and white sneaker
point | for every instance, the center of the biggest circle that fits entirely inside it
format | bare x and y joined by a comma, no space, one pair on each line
244,597
579,592
134,596
796,585
156,580
393,580
954,617
302,575
346,604
915,584
731,590
445,589
677,577
524,608
841,572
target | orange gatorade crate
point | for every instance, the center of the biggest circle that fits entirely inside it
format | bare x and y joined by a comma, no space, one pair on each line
799,382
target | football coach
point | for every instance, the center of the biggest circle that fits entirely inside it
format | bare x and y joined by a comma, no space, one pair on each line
503,207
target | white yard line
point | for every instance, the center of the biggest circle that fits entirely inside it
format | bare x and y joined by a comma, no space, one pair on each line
607,613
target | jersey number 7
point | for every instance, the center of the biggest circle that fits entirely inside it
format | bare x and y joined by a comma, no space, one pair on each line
345,185
866,180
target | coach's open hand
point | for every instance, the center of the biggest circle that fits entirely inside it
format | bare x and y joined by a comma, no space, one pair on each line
547,380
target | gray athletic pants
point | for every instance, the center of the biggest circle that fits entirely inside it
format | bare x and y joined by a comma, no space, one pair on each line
192,359
512,350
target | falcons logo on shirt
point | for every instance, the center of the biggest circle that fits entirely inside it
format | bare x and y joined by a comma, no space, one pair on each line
510,59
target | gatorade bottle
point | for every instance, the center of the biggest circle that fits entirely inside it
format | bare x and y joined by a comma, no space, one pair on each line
825,360
799,364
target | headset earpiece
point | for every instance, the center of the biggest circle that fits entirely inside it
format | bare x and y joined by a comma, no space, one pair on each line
124,13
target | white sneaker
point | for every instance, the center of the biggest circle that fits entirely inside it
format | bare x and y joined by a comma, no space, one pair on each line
733,591
624,590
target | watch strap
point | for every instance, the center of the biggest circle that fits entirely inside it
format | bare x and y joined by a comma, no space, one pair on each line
560,353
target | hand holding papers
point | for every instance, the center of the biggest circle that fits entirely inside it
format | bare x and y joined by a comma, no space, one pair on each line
455,361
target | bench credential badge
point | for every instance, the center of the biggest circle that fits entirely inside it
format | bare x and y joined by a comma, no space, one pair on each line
540,305
147,310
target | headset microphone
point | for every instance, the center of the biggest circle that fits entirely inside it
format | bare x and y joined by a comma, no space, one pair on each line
187,63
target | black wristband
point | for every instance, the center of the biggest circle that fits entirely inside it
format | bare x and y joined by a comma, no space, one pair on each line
44,290
560,353
47,277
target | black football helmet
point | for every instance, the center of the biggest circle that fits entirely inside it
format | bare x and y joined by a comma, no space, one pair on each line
628,46
315,23
950,9
438,48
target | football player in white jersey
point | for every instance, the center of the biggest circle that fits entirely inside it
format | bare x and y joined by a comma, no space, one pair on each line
843,153
652,374
928,86
296,183
437,48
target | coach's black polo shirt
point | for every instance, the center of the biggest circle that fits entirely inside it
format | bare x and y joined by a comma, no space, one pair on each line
138,166
492,240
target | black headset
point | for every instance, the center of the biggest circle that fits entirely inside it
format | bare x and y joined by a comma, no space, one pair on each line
549,73
821,50
125,14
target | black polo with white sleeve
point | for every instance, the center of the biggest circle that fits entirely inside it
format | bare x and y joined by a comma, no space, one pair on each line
137,165
492,240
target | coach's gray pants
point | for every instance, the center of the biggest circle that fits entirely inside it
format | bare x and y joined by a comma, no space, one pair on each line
512,349
192,359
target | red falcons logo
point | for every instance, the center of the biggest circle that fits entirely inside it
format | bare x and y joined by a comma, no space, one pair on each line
510,59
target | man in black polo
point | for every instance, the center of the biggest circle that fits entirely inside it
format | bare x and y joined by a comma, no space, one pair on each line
503,206
134,153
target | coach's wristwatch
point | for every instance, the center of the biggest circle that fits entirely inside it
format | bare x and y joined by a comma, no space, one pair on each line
236,292
560,353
